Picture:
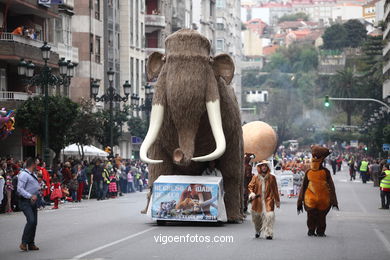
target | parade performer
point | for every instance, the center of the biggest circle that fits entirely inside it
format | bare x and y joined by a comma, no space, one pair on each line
264,196
247,178
318,193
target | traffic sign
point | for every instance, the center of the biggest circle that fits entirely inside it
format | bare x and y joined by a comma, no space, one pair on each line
136,140
386,147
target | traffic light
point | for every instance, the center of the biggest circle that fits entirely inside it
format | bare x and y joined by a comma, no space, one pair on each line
326,103
365,148
333,128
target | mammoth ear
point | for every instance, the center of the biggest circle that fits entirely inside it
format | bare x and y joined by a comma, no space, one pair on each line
223,66
155,63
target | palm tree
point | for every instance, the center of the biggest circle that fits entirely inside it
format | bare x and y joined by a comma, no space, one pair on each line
345,85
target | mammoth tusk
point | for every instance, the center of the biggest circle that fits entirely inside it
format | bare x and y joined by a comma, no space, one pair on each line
156,120
214,113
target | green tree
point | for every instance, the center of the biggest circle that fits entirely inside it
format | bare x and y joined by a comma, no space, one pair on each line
119,118
62,114
295,58
356,33
345,85
294,17
138,127
87,126
335,37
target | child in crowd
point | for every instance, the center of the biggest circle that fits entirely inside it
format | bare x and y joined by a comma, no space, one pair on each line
41,201
130,185
56,191
73,186
112,188
9,187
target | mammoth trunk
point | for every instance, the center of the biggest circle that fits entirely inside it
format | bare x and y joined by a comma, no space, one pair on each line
185,152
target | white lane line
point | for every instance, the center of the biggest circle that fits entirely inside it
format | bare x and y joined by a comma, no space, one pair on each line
383,239
112,243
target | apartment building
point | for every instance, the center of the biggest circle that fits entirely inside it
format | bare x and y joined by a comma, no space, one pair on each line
51,23
132,62
204,20
88,37
228,37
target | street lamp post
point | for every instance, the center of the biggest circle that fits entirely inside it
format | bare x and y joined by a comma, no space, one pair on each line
146,105
45,79
111,96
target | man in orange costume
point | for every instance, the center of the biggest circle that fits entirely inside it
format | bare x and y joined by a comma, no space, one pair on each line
317,193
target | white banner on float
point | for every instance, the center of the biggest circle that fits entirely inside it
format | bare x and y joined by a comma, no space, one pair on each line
188,198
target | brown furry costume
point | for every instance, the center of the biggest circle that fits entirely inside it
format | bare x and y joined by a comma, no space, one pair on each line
264,194
317,193
188,78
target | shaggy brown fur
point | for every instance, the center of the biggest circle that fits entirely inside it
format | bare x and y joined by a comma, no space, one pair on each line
186,81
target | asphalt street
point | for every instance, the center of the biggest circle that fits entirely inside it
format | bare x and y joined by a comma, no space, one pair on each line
115,229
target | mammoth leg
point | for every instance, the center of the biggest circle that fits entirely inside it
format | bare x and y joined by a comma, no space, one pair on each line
233,191
156,170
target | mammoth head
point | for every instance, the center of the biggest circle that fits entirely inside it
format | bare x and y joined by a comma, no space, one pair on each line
189,44
187,85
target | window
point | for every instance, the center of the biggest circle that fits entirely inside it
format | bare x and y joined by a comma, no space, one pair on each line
220,25
132,71
58,29
137,24
3,80
67,29
220,3
91,41
97,9
131,27
97,51
137,76
220,43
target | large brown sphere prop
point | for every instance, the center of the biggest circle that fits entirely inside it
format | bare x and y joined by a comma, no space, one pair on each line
259,139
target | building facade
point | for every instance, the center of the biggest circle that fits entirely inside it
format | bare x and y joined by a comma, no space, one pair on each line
40,23
132,63
88,37
228,37
204,20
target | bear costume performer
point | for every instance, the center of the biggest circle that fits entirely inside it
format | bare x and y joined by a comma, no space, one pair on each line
318,193
264,196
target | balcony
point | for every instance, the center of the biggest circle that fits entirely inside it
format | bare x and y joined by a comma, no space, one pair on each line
151,50
14,47
69,52
15,96
386,48
154,22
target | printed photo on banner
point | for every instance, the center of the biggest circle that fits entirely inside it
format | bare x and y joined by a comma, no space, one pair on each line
189,202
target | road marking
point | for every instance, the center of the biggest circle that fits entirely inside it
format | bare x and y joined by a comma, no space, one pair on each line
382,238
112,243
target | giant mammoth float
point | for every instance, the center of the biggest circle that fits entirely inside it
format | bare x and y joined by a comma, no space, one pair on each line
195,116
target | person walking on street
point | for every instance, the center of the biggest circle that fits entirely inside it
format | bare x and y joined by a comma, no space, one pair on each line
264,196
28,189
364,170
385,187
82,179
374,172
352,169
333,162
97,179
106,181
130,183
